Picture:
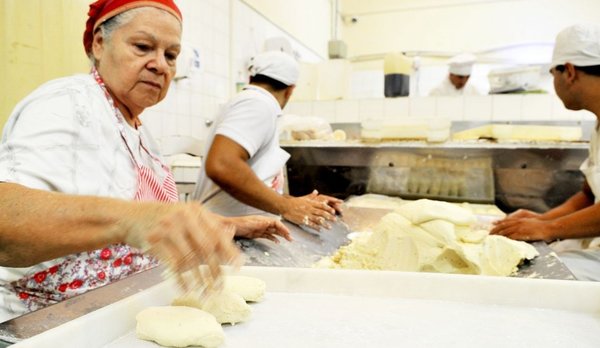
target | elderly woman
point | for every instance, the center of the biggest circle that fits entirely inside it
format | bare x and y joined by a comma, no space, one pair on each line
82,135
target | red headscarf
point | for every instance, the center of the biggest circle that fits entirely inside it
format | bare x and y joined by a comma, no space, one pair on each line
101,10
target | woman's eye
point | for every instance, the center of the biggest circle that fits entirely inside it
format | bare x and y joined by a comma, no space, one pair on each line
171,56
142,47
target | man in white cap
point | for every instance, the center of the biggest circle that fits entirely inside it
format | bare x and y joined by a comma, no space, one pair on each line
459,71
576,71
243,164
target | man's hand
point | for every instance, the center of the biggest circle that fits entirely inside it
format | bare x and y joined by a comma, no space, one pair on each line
310,210
525,229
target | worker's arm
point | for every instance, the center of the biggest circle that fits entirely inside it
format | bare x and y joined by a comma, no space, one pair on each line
227,165
36,226
578,217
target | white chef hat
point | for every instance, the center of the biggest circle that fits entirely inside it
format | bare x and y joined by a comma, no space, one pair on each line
461,64
276,65
578,45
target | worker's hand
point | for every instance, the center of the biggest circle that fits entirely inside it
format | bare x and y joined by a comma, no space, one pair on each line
308,211
256,226
184,237
525,229
523,213
333,202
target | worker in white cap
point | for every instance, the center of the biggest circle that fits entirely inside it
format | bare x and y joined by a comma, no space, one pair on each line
460,68
575,68
243,163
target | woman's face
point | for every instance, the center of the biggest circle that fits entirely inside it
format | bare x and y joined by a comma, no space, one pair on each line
137,63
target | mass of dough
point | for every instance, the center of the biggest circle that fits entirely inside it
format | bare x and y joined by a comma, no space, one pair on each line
250,288
431,236
377,201
173,326
226,306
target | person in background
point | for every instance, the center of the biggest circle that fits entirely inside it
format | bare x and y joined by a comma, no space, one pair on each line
460,68
243,167
576,71
81,135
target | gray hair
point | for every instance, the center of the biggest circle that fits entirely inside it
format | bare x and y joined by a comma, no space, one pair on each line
108,27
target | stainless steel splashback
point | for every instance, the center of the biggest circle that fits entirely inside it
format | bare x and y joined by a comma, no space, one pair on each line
512,175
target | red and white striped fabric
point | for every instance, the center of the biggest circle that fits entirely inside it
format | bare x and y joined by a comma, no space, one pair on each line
150,189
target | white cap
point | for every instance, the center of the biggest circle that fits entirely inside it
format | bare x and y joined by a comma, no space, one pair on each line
461,64
578,45
276,65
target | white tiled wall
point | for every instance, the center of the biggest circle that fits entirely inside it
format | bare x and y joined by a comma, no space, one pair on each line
192,101
492,108
226,33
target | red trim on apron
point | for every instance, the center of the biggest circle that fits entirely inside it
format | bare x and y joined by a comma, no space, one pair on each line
82,272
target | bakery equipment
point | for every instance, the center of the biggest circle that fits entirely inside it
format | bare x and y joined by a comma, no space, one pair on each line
516,79
536,175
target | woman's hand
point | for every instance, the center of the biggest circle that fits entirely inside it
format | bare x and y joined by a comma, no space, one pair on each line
256,226
185,237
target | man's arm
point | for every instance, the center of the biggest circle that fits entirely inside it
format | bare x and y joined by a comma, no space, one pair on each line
578,217
226,165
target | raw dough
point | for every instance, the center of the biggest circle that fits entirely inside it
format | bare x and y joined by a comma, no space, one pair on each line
226,306
424,210
431,236
250,288
179,327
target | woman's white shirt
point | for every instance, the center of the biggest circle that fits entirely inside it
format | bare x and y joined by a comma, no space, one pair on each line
64,137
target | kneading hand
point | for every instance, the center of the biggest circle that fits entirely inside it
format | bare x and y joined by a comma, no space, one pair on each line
309,211
256,226
525,229
333,202
184,237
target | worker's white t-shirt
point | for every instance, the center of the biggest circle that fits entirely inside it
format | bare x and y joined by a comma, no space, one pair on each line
64,137
446,88
249,119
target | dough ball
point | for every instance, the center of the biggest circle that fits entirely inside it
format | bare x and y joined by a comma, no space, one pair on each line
226,306
179,327
339,135
250,288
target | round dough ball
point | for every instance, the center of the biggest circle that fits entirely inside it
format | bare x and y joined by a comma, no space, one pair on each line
174,326
339,135
250,288
226,306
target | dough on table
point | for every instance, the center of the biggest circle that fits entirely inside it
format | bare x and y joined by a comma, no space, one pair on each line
431,236
424,210
250,288
226,306
175,326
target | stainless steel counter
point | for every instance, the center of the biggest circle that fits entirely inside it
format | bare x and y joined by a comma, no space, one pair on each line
308,247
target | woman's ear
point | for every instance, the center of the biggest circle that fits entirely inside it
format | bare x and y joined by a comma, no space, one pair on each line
97,45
